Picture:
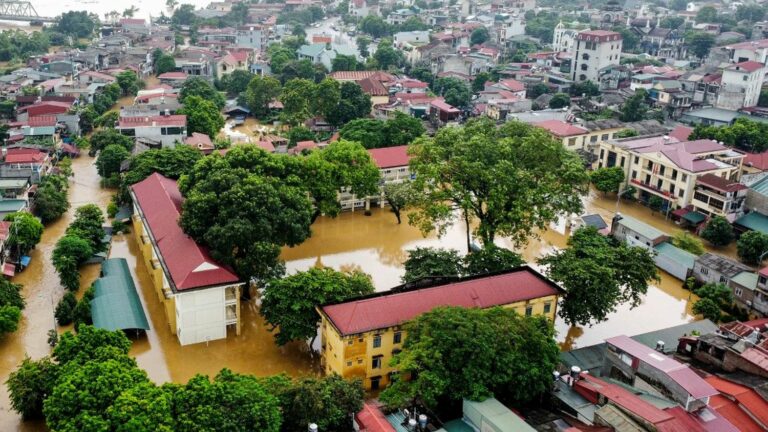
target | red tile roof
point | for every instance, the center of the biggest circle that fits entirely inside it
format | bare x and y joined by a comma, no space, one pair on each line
390,157
361,75
757,160
266,146
512,85
749,66
719,183
371,419
50,107
681,133
188,263
391,308
440,104
173,76
153,121
373,87
42,120
561,128
25,156
199,141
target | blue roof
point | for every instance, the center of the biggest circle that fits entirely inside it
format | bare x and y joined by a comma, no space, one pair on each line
754,221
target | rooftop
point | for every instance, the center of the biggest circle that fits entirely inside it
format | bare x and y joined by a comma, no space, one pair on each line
187,263
401,304
753,221
748,66
640,227
390,157
719,183
561,128
153,121
722,264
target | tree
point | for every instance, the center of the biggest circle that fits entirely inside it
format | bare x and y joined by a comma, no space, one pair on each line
110,159
296,104
700,43
184,15
325,401
50,202
398,196
144,407
751,13
345,63
479,36
236,82
196,86
353,104
511,356
763,100
598,274
708,309
678,5
299,133
431,262
626,133
107,120
232,402
586,88
69,253
491,259
402,129
9,319
374,26
288,304
718,231
30,384
454,90
128,82
706,14
24,233
478,84
169,162
688,242
165,63
634,107
713,297
65,309
10,294
607,179
538,90
203,116
326,96
104,137
260,93
472,167
366,131
387,57
559,100
743,134
87,225
78,24
751,245
90,343
363,42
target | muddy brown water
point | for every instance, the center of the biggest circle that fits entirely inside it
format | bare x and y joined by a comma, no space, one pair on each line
375,244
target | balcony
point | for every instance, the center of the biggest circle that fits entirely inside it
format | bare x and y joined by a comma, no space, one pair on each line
653,189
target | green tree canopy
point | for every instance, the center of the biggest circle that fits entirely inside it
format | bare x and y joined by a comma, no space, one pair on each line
196,86
109,160
751,245
288,304
129,82
353,104
30,384
743,134
688,242
473,167
236,82
260,92
402,129
598,274
607,179
24,233
491,259
706,14
431,262
479,36
104,137
560,100
203,116
326,401
508,355
700,42
399,196
634,107
165,63
455,91
718,231
79,24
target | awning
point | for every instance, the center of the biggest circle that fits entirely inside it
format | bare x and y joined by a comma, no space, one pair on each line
681,212
694,217
116,304
25,261
9,270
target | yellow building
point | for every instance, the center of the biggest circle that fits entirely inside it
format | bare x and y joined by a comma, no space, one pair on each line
360,336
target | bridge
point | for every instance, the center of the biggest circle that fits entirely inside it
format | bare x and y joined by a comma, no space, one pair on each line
15,10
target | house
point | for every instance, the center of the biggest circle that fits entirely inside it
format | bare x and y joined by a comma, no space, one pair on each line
359,336
636,233
235,60
739,404
362,8
393,167
741,85
165,130
15,188
667,168
717,196
712,268
442,112
173,79
200,296
593,51
201,142
572,136
22,159
735,348
324,53
746,294
399,16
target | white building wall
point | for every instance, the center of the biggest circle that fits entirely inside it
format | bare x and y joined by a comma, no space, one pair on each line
201,316
587,62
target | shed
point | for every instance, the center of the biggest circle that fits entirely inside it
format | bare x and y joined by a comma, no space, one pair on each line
673,260
116,304
752,221
490,415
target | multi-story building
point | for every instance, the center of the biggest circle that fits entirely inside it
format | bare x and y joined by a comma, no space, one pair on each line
713,268
564,39
393,167
200,296
593,51
360,336
718,196
740,85
162,130
665,167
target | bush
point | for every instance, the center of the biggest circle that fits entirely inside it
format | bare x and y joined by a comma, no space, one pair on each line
65,309
119,227
112,209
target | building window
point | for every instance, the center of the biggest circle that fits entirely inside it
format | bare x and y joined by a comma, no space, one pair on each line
375,381
359,361
723,279
547,307
350,342
572,142
377,341
593,139
397,338
604,137
634,175
704,271
637,159
622,162
349,363
528,310
737,291
376,362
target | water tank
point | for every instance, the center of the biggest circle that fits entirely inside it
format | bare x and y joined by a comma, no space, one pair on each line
312,427
660,346
556,375
412,424
575,371
422,421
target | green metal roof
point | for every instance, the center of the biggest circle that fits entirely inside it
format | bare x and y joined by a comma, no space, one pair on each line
640,227
12,205
13,183
694,217
457,425
676,254
746,279
116,304
754,221
492,415
760,186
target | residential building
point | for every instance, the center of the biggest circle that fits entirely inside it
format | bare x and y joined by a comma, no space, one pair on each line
740,85
756,51
360,336
668,168
718,196
393,166
594,51
164,130
572,136
324,53
746,294
400,16
564,39
735,348
200,297
442,112
361,8
235,60
636,233
713,268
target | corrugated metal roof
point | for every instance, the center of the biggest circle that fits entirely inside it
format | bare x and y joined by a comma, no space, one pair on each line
754,221
676,254
641,227
116,304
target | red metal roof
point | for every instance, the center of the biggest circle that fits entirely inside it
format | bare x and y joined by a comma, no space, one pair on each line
749,66
153,121
391,308
25,156
390,157
371,419
748,400
41,120
757,160
49,107
173,76
440,104
719,183
678,372
361,75
561,128
731,411
589,387
681,133
188,263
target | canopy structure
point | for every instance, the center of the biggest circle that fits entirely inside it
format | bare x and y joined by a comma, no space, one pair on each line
116,304
694,217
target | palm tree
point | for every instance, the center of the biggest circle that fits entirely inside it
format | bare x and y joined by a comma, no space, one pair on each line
171,5
128,13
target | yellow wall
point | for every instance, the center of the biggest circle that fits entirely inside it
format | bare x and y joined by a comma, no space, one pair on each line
352,356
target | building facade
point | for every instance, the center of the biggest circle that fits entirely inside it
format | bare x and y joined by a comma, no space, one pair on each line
740,85
360,336
200,297
165,130
593,51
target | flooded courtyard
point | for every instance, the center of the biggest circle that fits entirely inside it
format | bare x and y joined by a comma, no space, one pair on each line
375,244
